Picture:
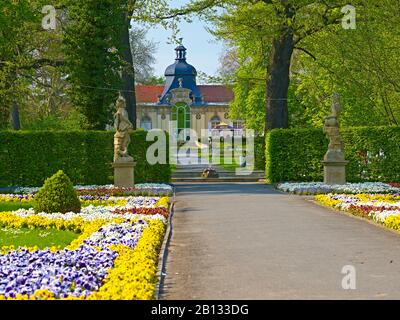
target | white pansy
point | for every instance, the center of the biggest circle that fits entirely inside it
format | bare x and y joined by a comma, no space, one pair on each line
380,216
89,213
349,188
140,186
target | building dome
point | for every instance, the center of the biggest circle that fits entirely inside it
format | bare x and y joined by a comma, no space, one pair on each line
180,67
181,74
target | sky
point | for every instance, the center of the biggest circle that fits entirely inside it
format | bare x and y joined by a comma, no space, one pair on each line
203,50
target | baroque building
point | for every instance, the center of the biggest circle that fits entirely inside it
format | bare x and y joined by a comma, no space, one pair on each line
182,104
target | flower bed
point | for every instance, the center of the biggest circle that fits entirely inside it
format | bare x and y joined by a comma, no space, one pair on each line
384,209
114,257
313,188
144,189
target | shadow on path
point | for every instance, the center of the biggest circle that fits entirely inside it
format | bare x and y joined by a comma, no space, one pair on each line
225,188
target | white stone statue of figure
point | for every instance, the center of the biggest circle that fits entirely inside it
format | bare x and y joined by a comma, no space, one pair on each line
122,126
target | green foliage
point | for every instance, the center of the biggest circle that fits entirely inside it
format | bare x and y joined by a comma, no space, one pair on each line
153,81
259,153
246,61
73,121
57,195
255,30
296,154
48,74
27,158
92,47
374,153
16,47
362,65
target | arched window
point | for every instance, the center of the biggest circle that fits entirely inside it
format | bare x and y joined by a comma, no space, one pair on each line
181,113
145,123
215,121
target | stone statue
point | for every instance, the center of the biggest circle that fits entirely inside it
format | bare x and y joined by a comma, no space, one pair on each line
122,138
331,129
334,161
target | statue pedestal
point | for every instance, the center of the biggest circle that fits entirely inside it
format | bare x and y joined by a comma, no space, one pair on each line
335,172
124,174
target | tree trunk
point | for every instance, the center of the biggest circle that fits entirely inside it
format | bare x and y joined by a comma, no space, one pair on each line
15,120
278,82
128,74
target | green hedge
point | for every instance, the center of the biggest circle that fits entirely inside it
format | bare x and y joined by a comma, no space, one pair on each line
296,154
259,153
28,158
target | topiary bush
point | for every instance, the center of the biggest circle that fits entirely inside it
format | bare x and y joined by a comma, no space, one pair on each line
57,195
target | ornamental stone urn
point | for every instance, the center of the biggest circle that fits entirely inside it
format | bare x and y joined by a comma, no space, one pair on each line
123,162
334,160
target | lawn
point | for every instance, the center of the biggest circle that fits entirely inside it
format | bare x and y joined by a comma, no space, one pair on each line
41,238
12,206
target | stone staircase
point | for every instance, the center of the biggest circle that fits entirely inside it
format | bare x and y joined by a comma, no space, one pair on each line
192,173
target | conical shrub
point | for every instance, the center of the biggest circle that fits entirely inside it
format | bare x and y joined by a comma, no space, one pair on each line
57,195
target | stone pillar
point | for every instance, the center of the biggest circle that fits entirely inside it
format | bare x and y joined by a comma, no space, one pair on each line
124,176
335,172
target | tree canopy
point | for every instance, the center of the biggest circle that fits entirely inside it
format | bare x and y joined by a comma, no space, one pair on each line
292,55
284,59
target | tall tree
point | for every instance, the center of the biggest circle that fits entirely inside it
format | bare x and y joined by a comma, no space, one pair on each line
92,47
283,24
143,51
128,70
361,64
16,55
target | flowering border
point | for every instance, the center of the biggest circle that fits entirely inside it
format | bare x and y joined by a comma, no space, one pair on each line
314,188
133,275
382,209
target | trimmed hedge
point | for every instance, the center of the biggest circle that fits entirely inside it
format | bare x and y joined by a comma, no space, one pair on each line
28,158
296,154
259,153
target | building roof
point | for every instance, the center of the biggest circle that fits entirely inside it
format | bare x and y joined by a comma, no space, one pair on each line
181,75
216,93
180,67
211,93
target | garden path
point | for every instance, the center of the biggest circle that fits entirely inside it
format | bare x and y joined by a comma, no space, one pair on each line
248,241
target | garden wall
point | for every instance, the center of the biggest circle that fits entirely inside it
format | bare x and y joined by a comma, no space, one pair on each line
296,154
28,158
